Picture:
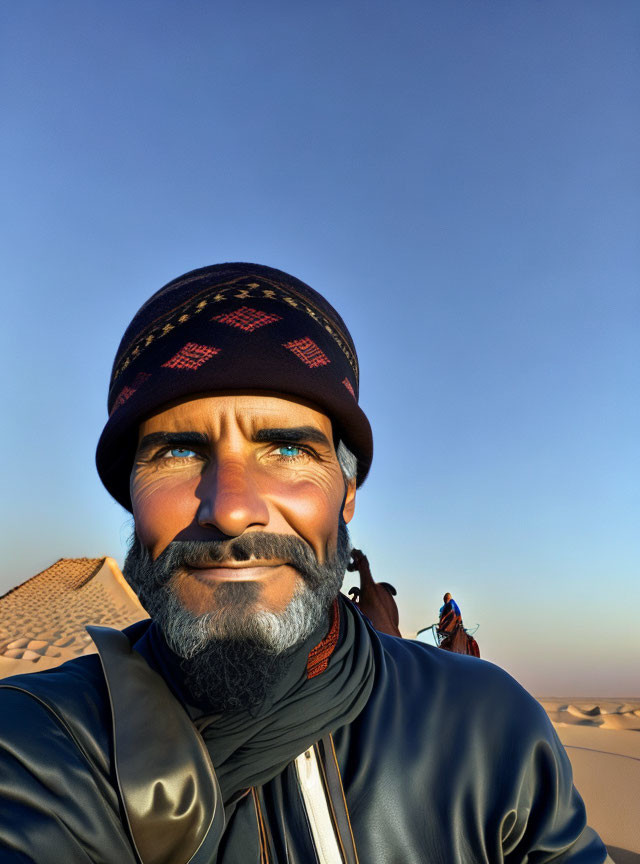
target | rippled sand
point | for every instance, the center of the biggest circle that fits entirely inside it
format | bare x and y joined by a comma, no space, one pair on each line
602,741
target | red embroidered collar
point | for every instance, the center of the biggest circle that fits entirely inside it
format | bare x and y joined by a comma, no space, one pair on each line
319,656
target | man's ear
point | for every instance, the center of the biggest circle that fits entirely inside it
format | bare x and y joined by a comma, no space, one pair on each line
349,503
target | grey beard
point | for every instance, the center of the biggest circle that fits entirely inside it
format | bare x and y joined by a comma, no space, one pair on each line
237,616
234,654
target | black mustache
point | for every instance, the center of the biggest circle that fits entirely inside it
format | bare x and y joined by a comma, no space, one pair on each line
263,546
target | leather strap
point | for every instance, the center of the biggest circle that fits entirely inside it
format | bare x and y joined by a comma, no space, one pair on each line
166,780
335,795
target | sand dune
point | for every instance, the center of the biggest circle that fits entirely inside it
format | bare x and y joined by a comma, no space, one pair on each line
601,740
42,621
604,714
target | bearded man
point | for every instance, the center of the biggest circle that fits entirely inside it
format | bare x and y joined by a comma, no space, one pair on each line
257,716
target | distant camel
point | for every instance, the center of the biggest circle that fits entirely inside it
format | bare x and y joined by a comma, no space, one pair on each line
375,599
451,633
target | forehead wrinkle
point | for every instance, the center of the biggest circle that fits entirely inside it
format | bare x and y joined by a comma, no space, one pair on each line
264,421
227,416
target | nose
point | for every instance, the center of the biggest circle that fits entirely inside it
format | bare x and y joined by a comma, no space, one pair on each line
230,500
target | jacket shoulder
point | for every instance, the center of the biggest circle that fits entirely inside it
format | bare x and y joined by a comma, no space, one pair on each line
457,681
72,696
455,732
55,747
75,692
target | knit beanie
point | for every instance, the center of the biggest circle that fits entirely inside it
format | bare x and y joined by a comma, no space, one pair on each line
231,327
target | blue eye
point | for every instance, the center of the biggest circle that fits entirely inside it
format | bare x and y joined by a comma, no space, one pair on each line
289,450
180,453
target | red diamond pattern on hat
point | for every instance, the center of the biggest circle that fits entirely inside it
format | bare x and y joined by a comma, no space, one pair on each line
127,392
247,319
307,350
191,356
349,387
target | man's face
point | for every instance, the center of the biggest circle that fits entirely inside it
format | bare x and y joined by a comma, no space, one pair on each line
221,467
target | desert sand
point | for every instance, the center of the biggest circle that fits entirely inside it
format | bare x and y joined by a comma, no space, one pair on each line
42,621
602,740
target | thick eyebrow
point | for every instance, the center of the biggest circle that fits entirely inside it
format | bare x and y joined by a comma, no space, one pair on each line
180,439
311,434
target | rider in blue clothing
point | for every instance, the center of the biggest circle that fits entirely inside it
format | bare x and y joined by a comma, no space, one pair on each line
449,614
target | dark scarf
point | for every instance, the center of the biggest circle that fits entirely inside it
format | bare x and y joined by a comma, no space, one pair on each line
249,749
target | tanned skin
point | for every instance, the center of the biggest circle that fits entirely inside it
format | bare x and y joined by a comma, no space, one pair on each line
216,467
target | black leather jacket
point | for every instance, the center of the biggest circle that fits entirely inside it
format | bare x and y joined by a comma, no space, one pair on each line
450,762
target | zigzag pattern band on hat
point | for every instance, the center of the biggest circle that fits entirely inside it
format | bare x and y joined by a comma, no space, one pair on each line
238,289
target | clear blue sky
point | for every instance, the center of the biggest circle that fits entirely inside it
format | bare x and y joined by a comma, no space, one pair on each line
462,181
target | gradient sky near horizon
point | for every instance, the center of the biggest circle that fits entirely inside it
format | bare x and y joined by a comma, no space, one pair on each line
460,179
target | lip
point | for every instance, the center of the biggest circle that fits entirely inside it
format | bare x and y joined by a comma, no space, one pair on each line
239,571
